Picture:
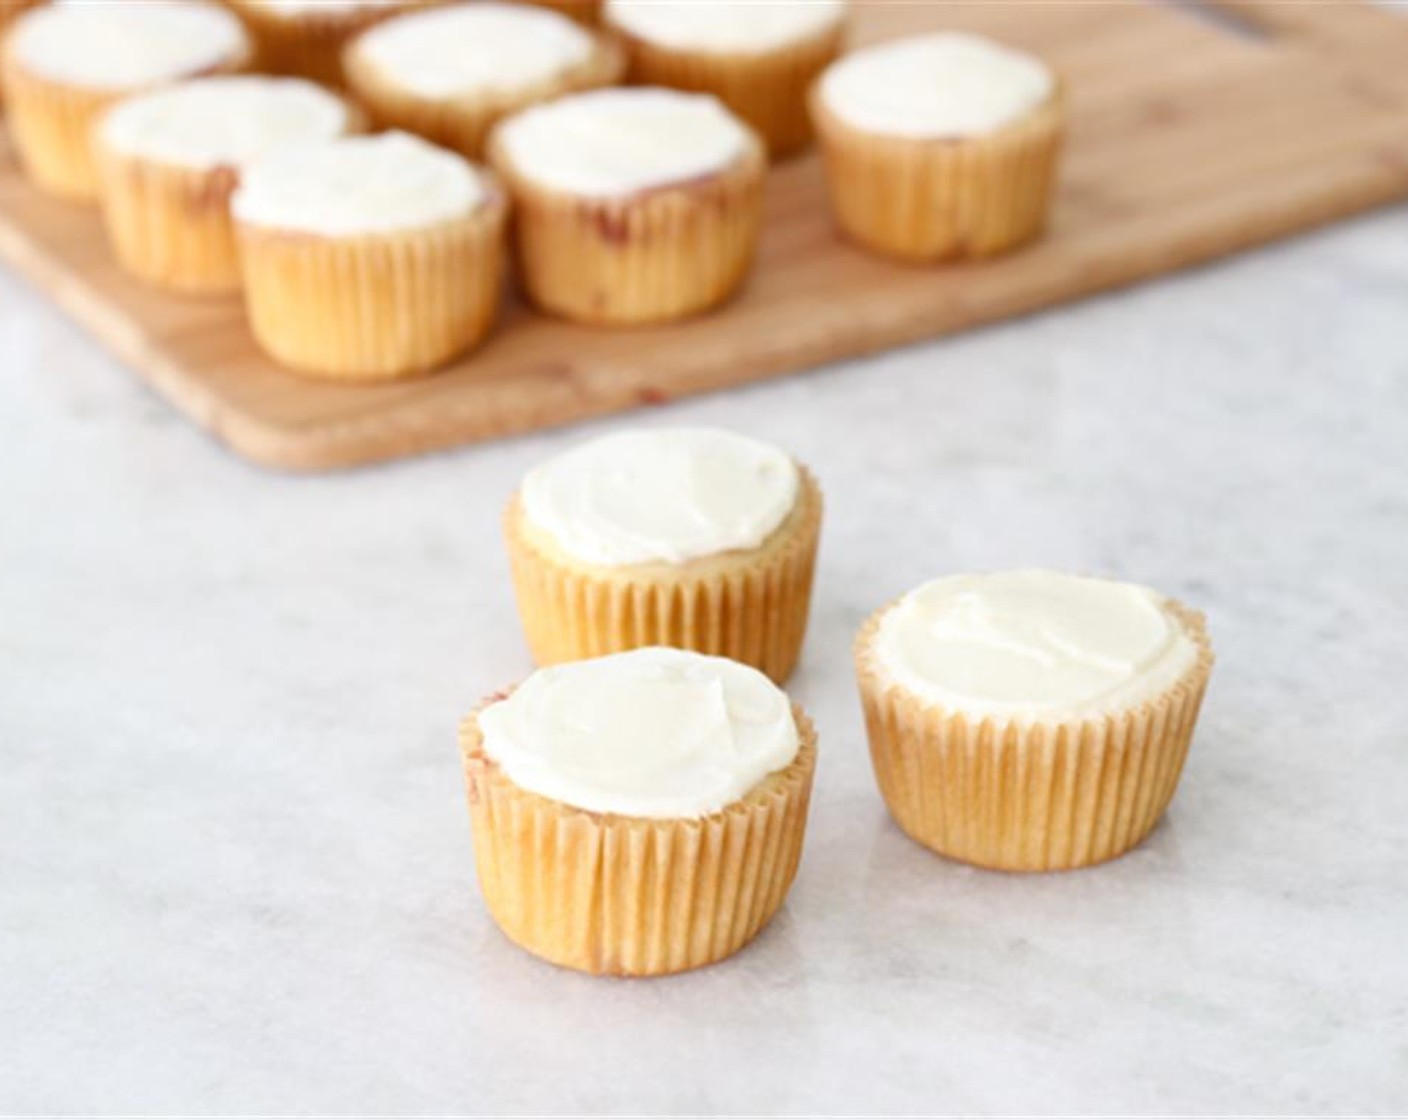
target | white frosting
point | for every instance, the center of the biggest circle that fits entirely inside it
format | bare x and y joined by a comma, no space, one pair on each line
358,184
223,122
661,494
125,45
1033,643
474,48
651,733
741,26
936,85
618,141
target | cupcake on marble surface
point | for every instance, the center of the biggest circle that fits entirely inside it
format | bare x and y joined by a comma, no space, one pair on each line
370,256
633,205
757,56
305,37
450,73
65,63
690,537
939,146
168,161
638,814
1030,720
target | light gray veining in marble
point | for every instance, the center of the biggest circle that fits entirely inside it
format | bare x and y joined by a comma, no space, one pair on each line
234,855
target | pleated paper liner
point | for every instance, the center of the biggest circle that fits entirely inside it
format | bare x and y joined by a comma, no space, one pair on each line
169,225
926,199
632,896
308,42
1035,796
768,89
374,306
750,606
646,257
463,123
52,122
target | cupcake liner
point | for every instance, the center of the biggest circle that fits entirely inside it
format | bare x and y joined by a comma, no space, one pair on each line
1029,796
929,199
463,123
768,90
170,226
308,43
378,305
750,606
633,896
647,257
52,125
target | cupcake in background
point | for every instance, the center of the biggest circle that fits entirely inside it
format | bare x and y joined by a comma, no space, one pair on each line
759,57
690,537
450,73
169,160
63,64
305,37
1031,720
939,146
632,205
369,257
638,814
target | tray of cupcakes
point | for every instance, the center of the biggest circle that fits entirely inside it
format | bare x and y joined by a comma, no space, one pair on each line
639,803
365,184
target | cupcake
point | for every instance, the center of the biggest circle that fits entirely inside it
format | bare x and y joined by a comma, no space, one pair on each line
689,537
759,57
449,73
369,256
638,814
168,161
1030,721
65,63
939,146
305,37
633,205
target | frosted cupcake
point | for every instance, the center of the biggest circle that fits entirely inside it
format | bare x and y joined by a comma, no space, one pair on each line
1030,720
450,73
638,814
369,257
633,205
757,56
168,161
305,37
689,537
63,64
939,146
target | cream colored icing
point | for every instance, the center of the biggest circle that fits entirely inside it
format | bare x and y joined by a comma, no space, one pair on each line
661,494
1032,643
358,184
655,732
224,121
474,48
125,45
739,26
949,84
618,141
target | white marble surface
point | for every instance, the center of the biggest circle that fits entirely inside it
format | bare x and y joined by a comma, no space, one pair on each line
235,871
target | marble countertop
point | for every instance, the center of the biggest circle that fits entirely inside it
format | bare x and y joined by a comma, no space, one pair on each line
237,874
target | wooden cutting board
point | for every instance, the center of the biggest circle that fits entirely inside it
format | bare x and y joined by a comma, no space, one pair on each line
1196,130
